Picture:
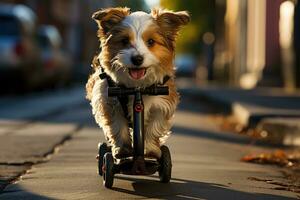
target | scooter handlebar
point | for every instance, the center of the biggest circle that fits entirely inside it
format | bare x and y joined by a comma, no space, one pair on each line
116,91
153,90
157,90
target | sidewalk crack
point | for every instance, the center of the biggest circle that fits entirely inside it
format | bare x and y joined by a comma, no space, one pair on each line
29,164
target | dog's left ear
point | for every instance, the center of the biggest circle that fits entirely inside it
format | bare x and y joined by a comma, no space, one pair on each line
109,17
170,21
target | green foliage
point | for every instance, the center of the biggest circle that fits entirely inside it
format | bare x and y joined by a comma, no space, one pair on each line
202,20
134,5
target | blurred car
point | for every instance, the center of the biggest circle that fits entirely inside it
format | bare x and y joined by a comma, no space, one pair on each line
20,62
56,62
186,66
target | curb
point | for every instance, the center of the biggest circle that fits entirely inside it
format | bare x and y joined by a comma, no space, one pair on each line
283,131
248,115
278,126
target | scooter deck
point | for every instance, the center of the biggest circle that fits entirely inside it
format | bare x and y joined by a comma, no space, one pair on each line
137,166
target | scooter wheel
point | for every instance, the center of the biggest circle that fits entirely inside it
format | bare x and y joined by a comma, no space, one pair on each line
165,170
102,150
108,173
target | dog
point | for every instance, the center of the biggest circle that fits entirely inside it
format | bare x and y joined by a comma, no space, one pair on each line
137,50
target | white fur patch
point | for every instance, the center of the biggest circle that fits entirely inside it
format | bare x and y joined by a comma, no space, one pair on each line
139,22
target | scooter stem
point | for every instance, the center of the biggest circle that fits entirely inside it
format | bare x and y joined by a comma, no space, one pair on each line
138,125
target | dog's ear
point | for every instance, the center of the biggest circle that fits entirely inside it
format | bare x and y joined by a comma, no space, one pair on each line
169,21
109,17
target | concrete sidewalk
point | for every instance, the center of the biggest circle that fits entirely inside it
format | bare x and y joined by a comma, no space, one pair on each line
40,105
24,139
204,167
272,110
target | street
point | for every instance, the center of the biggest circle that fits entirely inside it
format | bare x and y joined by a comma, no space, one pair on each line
49,144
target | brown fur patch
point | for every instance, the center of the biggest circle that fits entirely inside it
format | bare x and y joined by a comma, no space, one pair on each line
118,35
161,48
92,79
170,22
89,87
108,18
173,97
115,43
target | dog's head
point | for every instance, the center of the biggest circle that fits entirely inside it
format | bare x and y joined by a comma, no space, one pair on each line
138,48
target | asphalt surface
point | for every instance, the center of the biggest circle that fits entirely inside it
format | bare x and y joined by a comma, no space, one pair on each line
206,160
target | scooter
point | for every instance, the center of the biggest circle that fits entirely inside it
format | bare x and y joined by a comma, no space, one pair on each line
136,164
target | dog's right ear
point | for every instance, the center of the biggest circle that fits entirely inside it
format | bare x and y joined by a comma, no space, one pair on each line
109,17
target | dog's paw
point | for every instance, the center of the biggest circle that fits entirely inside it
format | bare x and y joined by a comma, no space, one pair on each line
122,152
153,153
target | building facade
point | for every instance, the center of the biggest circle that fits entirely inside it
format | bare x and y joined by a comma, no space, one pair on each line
257,47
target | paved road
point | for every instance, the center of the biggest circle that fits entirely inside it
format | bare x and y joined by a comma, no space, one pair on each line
205,163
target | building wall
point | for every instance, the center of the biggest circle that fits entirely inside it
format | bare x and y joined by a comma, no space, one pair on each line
272,33
252,42
235,34
297,43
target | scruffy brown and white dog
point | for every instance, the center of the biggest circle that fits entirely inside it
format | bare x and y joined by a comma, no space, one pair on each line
137,50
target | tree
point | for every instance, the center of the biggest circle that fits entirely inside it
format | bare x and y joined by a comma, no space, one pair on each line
202,20
134,5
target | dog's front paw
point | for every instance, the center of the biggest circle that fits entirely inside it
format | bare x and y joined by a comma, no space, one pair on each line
122,152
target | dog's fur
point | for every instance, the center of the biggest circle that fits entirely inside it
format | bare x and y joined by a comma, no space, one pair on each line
122,35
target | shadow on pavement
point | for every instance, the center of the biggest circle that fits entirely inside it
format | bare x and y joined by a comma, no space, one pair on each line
208,134
200,105
21,193
180,189
220,136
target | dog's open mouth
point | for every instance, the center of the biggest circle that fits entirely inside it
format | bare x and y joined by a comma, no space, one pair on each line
137,73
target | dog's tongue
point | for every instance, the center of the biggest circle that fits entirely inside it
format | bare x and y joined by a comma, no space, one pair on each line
137,73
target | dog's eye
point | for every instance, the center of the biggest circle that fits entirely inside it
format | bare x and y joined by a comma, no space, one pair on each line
150,42
125,41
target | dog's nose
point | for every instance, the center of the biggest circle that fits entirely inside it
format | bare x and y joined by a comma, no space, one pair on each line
137,60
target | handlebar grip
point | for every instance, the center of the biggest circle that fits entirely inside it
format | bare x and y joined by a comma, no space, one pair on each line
156,90
114,91
162,90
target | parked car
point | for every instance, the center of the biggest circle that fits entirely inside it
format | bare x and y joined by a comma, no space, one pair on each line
186,66
56,62
20,61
